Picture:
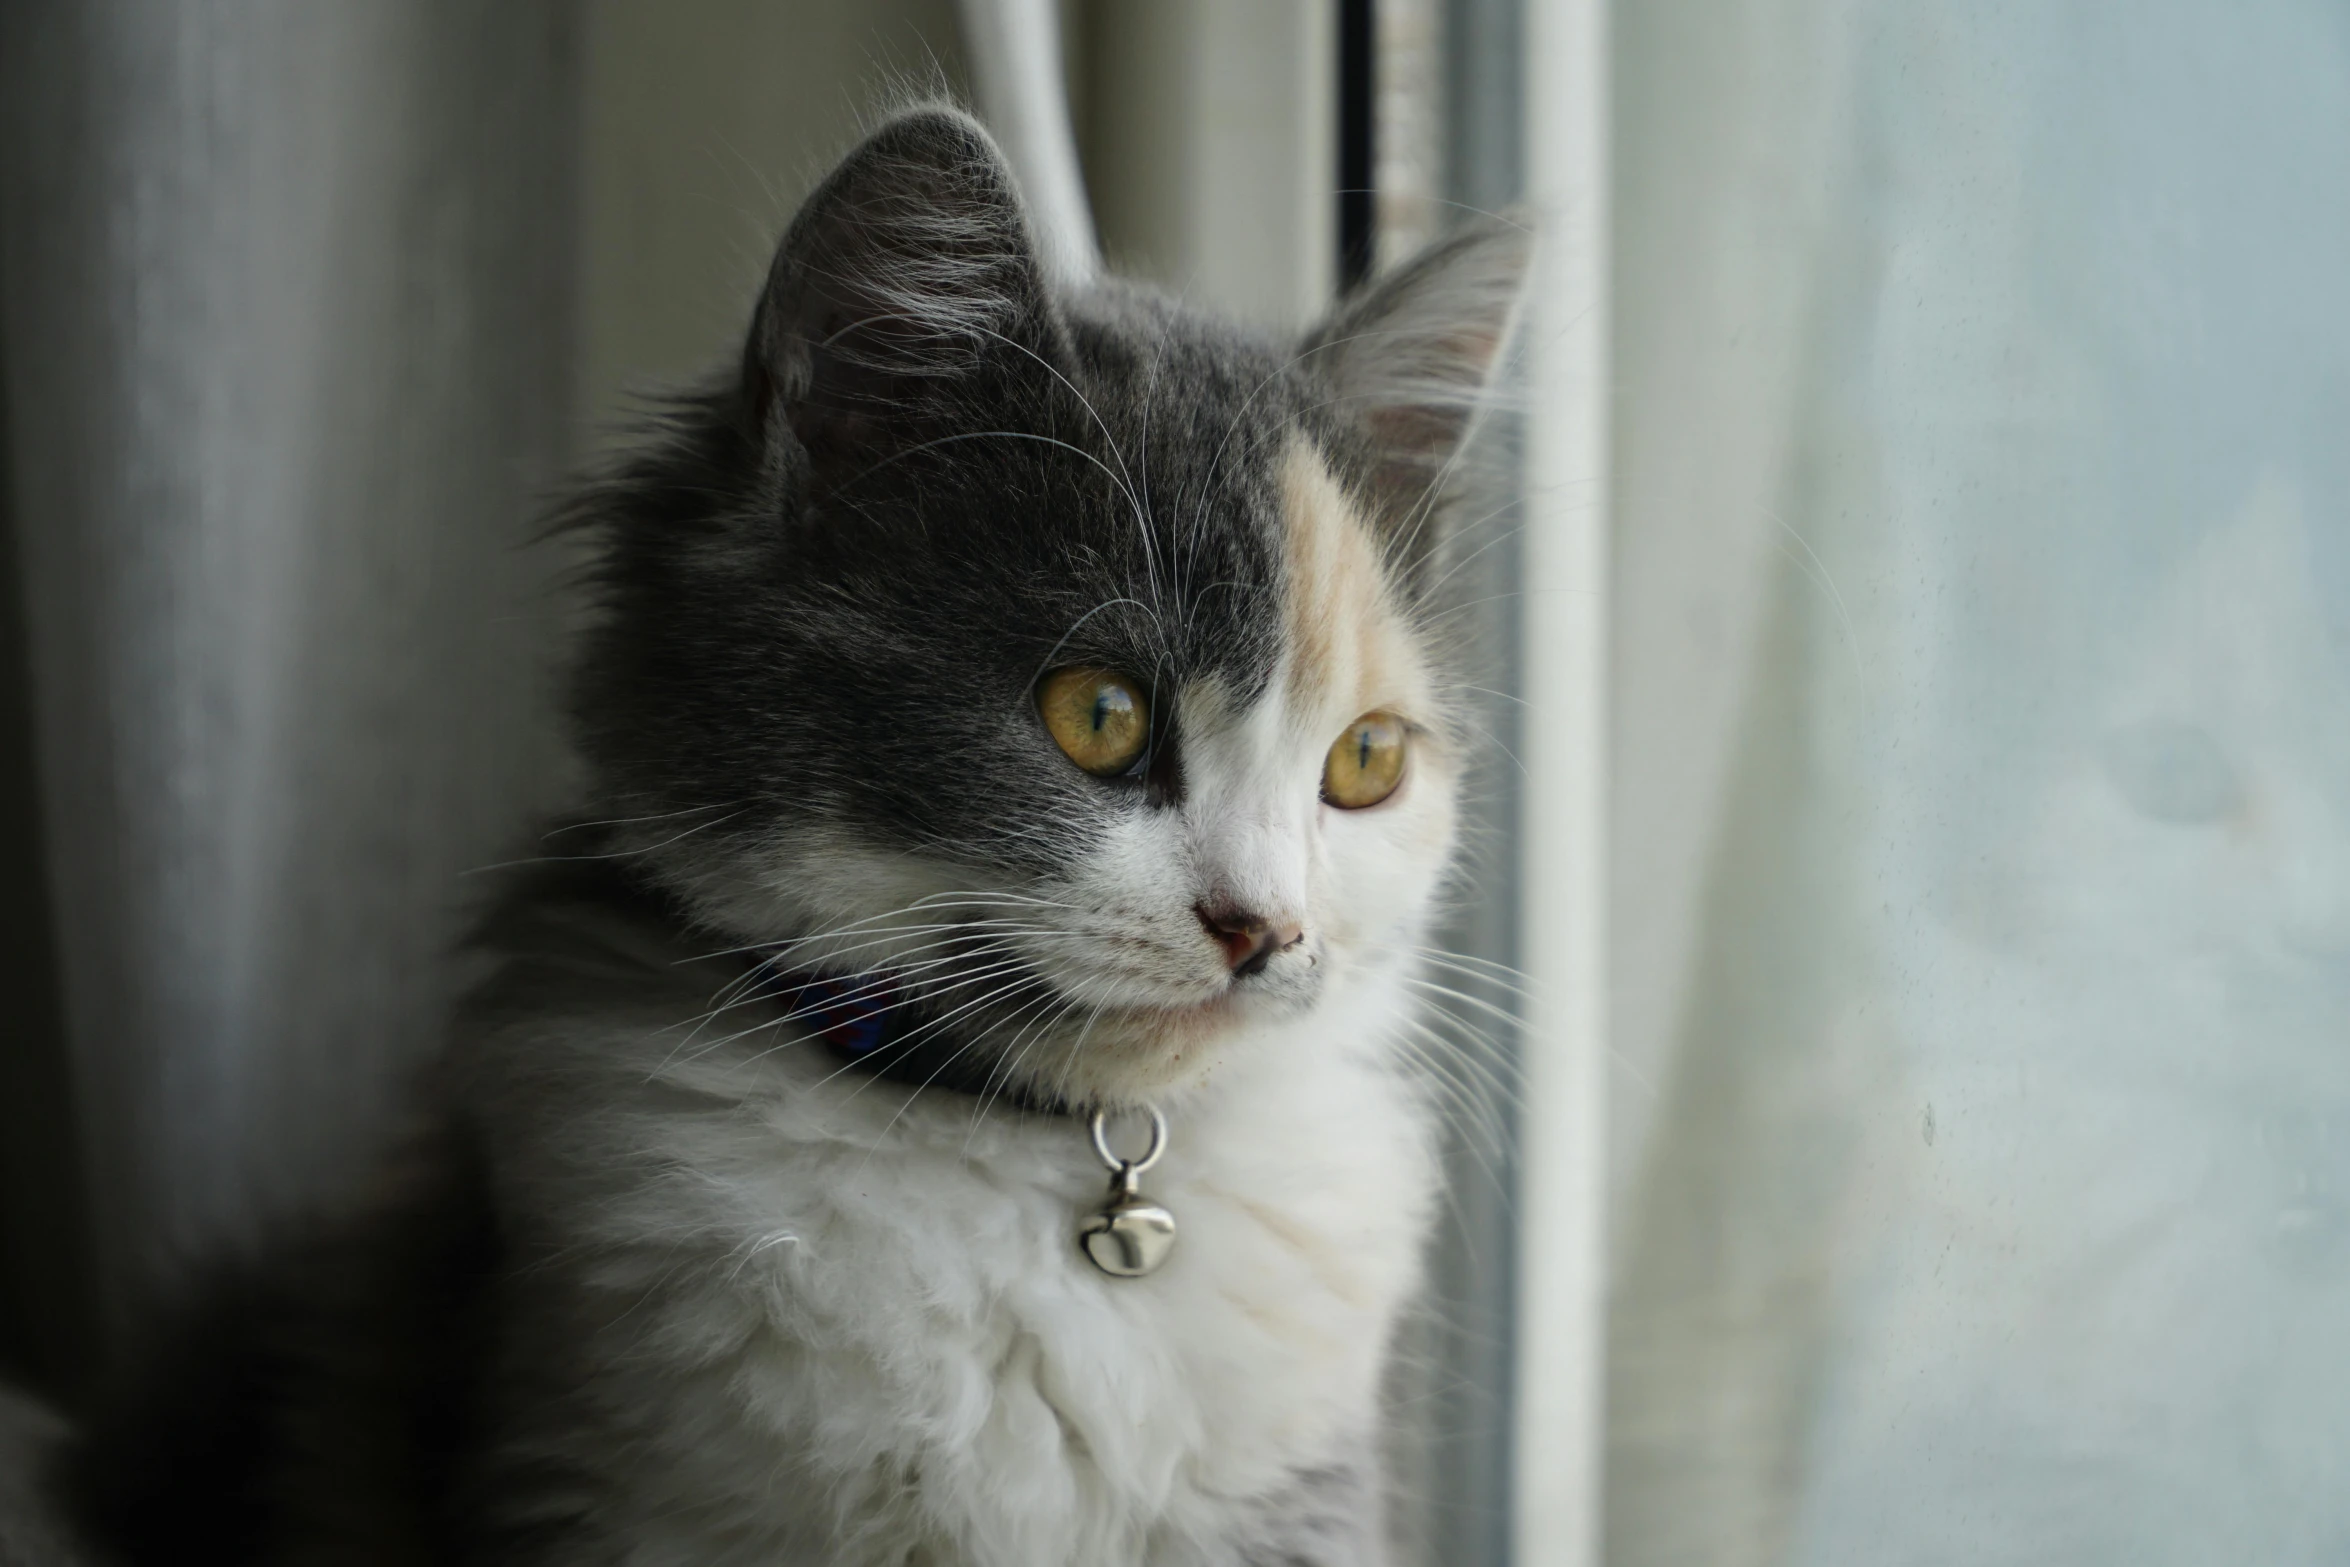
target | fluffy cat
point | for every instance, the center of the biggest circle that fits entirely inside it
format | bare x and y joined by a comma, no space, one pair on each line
1011,700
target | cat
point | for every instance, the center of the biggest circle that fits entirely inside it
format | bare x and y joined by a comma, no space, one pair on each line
1015,723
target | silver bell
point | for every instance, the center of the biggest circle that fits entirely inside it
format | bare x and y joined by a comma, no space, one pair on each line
1130,1235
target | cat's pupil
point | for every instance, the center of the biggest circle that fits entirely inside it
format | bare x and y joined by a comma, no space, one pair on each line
1101,712
1363,747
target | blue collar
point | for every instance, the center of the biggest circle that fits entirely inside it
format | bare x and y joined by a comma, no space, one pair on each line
865,1022
855,1015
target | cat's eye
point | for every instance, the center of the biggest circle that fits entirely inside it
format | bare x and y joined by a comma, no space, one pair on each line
1100,717
1366,764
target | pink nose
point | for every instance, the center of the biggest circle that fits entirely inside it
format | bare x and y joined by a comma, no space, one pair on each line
1249,940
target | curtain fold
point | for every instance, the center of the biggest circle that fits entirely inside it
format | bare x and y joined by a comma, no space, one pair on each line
285,297
1996,1202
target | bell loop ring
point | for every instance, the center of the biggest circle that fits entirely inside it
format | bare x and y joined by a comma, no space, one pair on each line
1129,1235
1127,1171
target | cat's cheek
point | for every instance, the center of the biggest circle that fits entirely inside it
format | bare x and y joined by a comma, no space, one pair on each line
1384,863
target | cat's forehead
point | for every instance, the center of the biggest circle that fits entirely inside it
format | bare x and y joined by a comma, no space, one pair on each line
1346,646
1242,553
1264,579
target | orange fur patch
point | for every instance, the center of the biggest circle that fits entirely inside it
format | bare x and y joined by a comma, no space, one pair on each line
1348,647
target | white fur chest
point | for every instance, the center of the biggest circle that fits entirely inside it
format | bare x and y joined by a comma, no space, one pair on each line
849,1324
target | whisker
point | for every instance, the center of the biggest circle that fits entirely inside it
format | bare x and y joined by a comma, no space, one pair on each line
616,854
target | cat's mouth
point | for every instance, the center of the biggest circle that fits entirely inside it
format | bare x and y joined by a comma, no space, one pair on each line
1184,1024
1195,1004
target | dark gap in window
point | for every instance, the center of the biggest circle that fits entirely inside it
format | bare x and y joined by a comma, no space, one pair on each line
1358,130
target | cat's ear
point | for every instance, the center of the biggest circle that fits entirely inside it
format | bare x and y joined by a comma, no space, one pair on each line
904,274
1409,365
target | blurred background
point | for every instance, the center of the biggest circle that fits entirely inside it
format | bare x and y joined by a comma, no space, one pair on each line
1916,599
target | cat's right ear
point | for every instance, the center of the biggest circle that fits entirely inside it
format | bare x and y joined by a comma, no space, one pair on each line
902,276
1409,363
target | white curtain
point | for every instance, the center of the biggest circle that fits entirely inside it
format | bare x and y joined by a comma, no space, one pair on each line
1982,783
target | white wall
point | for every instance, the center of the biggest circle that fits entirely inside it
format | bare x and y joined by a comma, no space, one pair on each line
1210,141
703,124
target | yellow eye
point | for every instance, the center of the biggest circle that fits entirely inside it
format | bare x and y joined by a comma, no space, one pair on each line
1367,762
1096,715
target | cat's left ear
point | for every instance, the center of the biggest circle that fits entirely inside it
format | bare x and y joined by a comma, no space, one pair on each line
1409,366
906,278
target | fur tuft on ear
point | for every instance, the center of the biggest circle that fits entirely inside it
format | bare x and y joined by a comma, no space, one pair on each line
1409,363
901,272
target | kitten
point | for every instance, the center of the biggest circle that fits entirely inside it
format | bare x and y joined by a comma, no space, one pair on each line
1012,705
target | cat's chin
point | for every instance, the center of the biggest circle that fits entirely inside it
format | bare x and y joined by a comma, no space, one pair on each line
1136,1055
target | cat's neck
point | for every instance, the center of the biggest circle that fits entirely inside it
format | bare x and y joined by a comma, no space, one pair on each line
871,1026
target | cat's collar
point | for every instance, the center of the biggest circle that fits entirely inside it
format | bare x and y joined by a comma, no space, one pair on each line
866,1022
862,1019
852,1015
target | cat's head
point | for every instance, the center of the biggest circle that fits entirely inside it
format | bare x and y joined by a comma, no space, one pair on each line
1056,652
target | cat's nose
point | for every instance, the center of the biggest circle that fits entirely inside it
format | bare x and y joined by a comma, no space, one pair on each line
1249,939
